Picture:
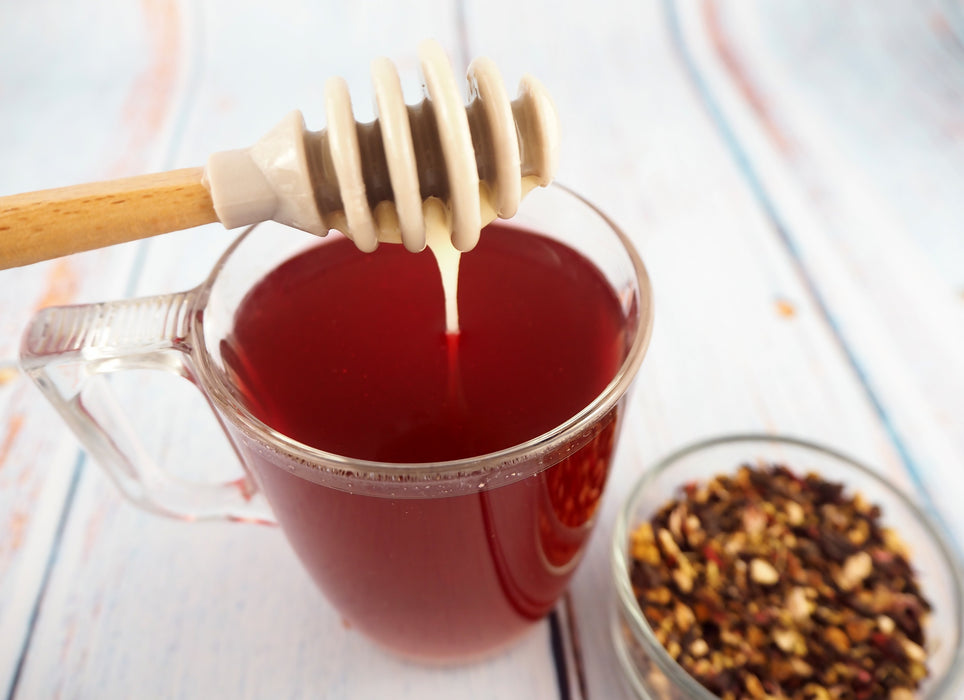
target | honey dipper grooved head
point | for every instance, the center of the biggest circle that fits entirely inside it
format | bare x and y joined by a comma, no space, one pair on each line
373,181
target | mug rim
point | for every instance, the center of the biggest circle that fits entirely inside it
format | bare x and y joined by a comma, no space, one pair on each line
315,459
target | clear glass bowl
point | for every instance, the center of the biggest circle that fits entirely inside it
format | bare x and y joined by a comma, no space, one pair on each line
652,673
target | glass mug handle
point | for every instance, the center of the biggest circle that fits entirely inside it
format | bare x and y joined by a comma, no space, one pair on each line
68,350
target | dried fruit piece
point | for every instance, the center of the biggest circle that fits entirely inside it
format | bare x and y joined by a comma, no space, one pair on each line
762,572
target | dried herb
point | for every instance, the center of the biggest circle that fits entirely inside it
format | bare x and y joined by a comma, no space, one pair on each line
768,585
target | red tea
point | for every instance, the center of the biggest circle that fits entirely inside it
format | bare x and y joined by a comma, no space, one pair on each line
347,352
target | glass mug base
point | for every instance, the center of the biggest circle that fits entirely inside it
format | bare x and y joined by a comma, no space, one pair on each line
455,576
437,561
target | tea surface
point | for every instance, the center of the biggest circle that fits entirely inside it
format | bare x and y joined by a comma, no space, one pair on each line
347,352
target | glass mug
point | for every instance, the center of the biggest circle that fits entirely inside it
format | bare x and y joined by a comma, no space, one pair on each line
437,561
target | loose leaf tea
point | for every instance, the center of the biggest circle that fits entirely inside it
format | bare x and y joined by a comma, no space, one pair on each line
765,584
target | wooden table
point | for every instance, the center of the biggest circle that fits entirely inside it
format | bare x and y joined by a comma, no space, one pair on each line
793,174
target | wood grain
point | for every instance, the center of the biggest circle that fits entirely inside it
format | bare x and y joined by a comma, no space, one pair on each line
879,275
805,284
99,636
52,223
51,72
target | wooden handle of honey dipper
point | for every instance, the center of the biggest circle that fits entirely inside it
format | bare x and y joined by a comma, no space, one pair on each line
50,223
315,181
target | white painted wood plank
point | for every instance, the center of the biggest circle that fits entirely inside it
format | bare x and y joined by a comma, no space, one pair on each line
726,355
146,607
77,84
184,610
873,265
226,611
849,66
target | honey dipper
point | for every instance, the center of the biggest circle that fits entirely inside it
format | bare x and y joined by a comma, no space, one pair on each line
374,182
